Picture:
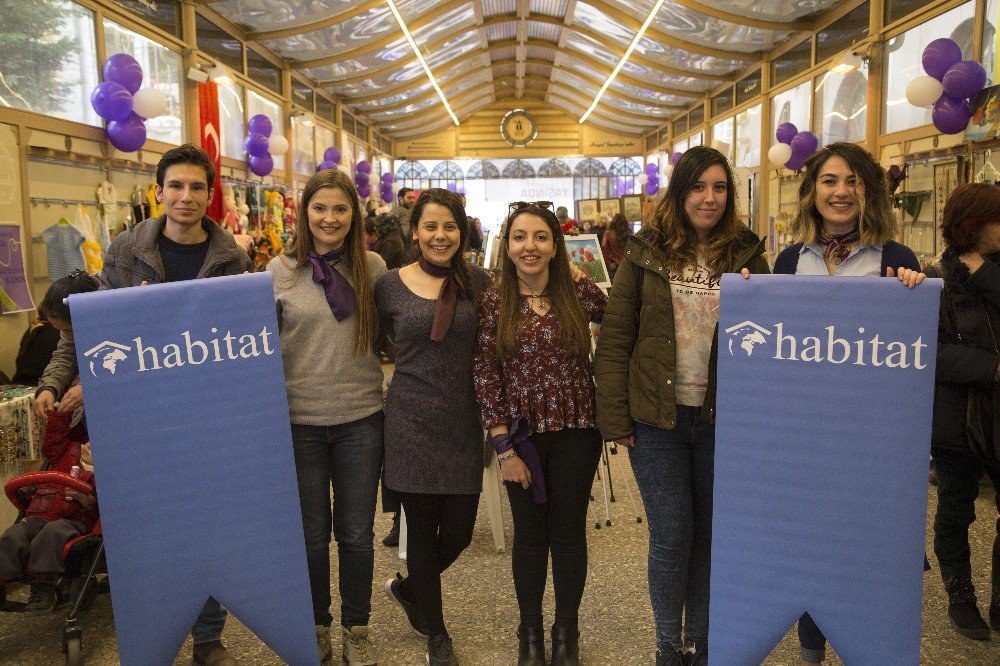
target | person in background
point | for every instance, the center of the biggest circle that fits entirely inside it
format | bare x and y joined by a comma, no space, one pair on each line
844,226
655,369
371,234
54,515
390,244
474,242
968,369
405,199
613,243
535,389
568,225
328,325
433,437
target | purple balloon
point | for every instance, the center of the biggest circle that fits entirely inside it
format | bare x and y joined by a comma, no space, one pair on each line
452,187
675,158
261,166
795,162
387,178
939,56
364,191
260,124
256,145
363,167
651,168
386,193
785,132
127,135
950,115
112,101
332,154
124,69
651,188
326,164
804,143
964,79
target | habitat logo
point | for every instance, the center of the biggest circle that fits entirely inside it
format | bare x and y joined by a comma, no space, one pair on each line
111,356
830,347
748,335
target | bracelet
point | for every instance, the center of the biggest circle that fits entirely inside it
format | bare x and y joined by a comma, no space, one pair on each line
504,458
501,443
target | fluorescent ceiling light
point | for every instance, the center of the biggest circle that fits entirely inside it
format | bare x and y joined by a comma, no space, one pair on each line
621,63
423,63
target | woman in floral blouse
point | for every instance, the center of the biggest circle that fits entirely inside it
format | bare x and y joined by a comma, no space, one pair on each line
533,383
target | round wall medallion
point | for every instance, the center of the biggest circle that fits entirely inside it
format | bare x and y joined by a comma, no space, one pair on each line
518,128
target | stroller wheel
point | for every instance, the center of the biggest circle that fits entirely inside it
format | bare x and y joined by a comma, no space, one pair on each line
74,651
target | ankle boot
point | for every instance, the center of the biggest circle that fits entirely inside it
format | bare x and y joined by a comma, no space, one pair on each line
531,646
995,609
962,609
565,645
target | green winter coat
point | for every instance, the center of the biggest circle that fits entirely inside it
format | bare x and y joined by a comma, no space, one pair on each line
635,363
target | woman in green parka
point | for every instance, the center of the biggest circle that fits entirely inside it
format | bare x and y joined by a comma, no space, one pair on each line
655,372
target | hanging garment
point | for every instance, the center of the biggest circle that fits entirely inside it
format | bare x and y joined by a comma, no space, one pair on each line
155,207
63,244
139,205
107,198
91,248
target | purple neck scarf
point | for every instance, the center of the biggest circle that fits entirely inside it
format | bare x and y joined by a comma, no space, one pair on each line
339,292
838,246
447,300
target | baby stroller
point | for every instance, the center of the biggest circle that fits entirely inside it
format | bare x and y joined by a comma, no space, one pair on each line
86,570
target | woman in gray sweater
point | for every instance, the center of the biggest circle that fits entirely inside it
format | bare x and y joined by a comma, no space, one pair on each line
327,319
433,437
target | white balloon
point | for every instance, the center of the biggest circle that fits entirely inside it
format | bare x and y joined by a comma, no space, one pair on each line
668,169
923,91
396,187
277,145
374,179
779,154
642,179
149,103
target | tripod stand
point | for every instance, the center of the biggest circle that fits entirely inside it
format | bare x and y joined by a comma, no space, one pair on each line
605,475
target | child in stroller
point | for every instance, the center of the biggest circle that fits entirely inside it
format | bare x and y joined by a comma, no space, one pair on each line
33,547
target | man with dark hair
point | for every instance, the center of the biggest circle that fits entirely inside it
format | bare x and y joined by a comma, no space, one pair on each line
405,199
181,244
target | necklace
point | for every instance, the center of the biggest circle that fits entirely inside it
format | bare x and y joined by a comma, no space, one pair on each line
538,302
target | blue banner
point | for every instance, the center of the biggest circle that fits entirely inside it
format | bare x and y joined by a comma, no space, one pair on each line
826,387
185,402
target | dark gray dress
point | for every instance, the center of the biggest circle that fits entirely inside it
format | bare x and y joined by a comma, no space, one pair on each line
433,435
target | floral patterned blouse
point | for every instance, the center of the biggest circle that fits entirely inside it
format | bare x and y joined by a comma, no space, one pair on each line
543,382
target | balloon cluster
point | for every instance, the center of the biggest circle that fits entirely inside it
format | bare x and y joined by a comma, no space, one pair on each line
949,82
331,158
126,108
363,177
675,158
793,146
261,146
386,187
453,186
650,180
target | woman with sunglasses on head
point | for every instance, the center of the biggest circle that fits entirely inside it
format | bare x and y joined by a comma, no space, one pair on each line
433,438
534,386
656,369
327,322
845,227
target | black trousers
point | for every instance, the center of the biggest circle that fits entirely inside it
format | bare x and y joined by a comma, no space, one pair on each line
958,476
438,529
569,461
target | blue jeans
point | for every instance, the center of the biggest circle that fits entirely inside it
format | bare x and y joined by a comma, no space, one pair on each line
210,623
674,470
347,457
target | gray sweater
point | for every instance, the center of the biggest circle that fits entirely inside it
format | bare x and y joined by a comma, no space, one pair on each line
433,436
327,384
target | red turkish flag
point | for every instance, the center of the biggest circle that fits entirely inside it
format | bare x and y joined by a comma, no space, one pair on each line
208,107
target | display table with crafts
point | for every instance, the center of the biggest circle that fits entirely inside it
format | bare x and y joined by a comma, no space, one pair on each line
21,437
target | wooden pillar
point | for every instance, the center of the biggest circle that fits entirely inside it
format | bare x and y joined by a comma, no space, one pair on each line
876,79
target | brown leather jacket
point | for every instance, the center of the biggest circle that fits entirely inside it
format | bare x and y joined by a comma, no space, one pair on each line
635,364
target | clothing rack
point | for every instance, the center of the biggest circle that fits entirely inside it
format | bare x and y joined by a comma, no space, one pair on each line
48,201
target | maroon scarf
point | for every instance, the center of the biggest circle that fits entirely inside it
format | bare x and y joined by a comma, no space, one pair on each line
838,246
447,300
